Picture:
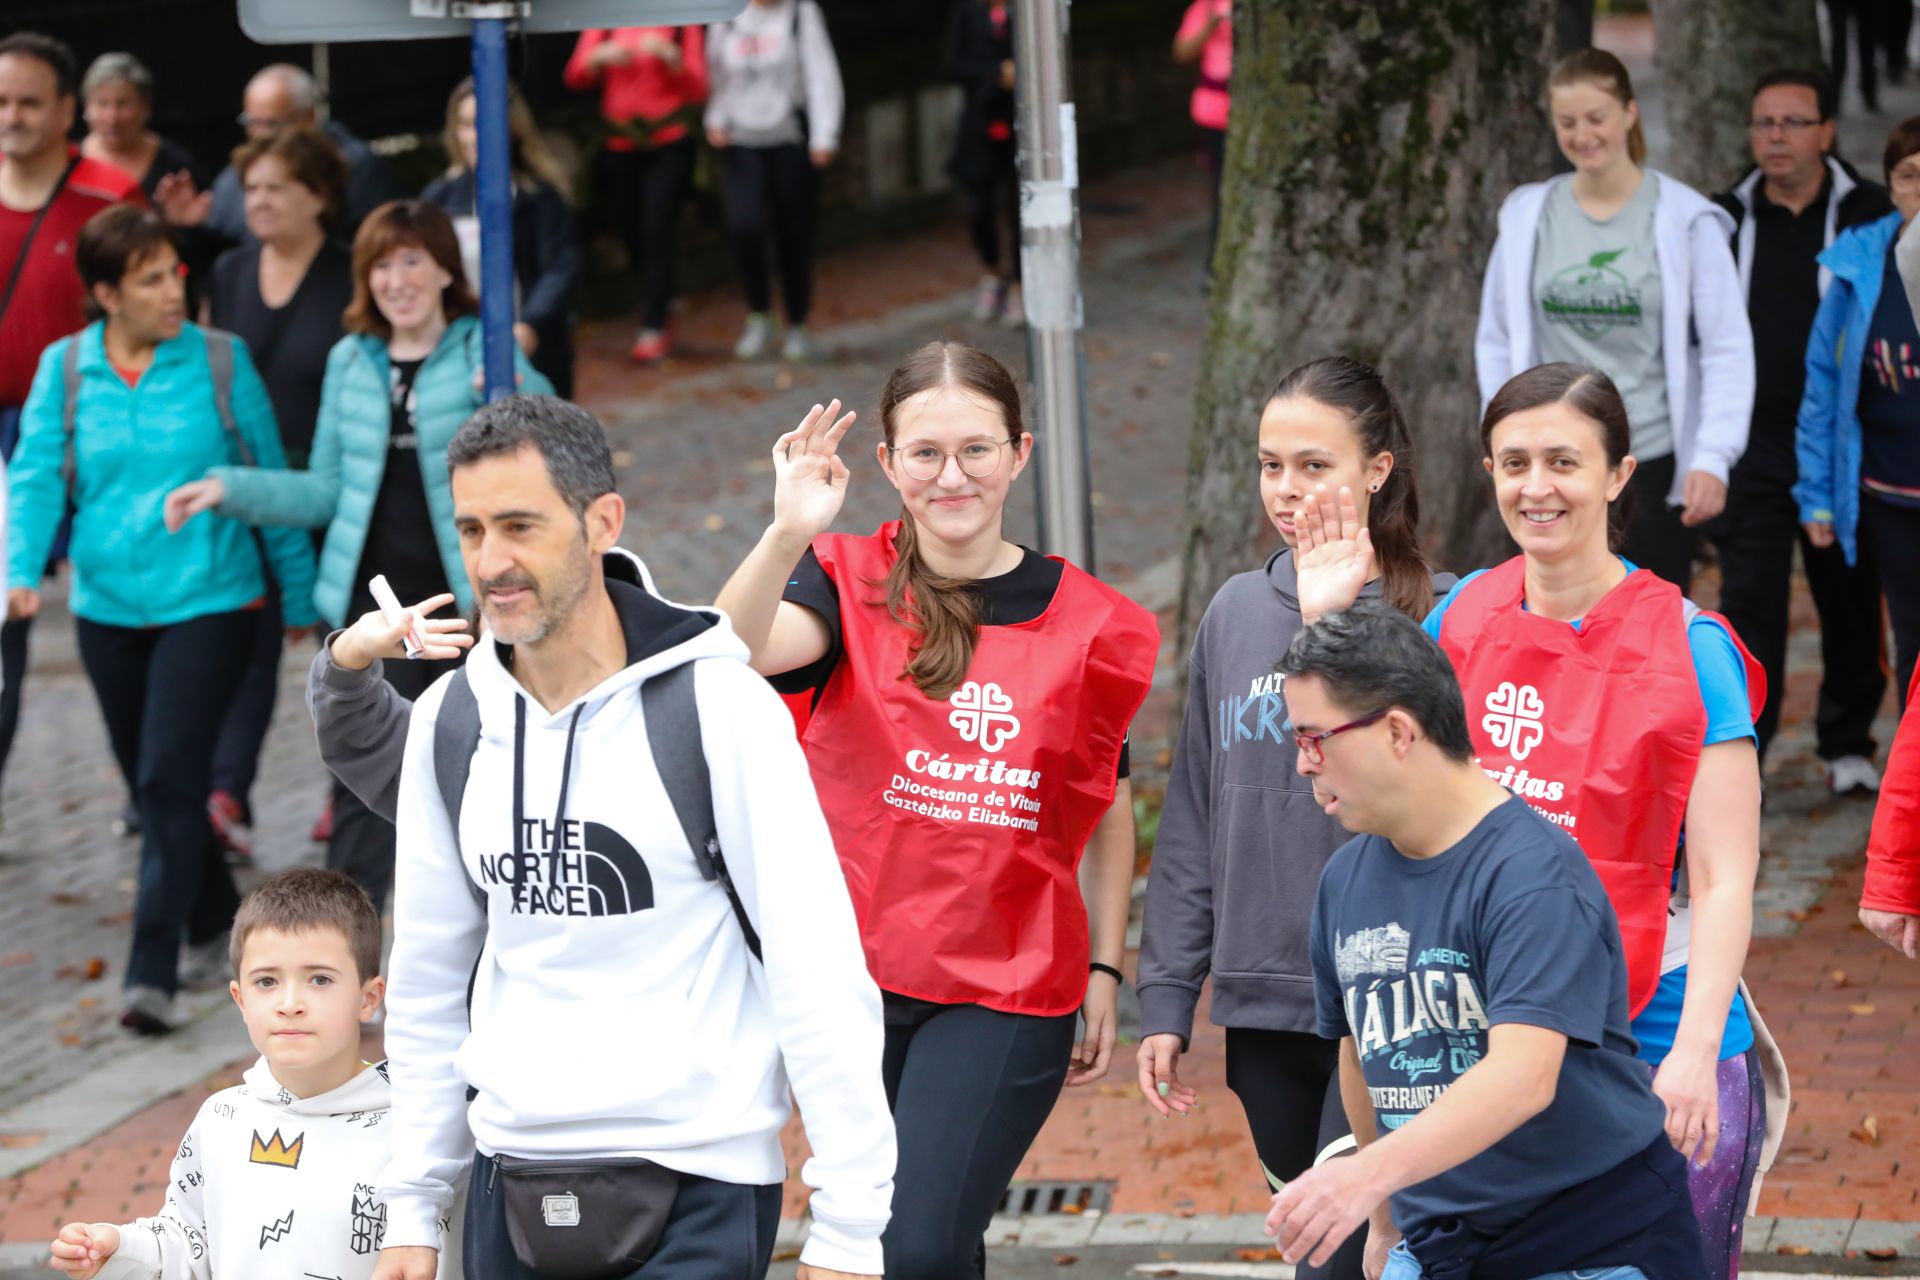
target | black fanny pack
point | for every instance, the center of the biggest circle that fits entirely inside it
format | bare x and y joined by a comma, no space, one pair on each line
584,1219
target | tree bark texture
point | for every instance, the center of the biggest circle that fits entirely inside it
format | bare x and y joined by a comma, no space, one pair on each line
1370,146
1708,54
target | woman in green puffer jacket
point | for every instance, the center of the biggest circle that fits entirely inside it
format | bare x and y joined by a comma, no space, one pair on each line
397,387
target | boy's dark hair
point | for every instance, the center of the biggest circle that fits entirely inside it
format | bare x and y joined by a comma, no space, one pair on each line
55,53
1804,78
1903,141
569,439
1372,656
306,899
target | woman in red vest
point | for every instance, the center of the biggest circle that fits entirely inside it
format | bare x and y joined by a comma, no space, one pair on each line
1624,713
1890,899
968,743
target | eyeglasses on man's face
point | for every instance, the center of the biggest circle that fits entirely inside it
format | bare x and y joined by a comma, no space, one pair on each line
1310,744
1789,125
978,458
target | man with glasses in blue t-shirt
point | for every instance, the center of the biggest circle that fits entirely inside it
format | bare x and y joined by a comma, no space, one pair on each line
1469,963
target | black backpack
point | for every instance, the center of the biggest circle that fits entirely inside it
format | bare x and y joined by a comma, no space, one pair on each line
673,732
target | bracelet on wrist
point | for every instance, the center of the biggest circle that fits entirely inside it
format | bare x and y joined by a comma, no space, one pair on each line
1115,974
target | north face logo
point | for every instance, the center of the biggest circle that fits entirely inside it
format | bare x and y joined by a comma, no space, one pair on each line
983,714
579,869
1514,719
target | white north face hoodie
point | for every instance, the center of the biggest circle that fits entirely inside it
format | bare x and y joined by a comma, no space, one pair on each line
273,1186
616,1010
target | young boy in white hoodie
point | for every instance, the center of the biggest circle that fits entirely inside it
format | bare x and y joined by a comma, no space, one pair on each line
275,1177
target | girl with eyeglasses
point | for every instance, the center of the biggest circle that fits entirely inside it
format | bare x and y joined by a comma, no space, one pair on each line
971,701
1629,270
1241,842
1606,699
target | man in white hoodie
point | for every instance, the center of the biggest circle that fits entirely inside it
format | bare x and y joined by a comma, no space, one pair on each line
559,958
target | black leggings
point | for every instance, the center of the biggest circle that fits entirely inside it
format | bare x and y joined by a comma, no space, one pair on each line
164,692
1889,535
646,190
993,208
970,1089
362,845
1288,1082
1656,540
772,190
236,760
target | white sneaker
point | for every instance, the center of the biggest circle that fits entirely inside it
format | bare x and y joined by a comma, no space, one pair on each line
206,965
149,1011
798,348
1849,774
756,337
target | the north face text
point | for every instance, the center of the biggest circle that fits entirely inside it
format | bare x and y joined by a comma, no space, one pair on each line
575,869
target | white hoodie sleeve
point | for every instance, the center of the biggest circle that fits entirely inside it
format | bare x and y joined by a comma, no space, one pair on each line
171,1245
825,1006
820,71
439,928
1492,348
1726,349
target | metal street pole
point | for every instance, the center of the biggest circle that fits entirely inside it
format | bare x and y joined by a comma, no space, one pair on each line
493,194
1050,275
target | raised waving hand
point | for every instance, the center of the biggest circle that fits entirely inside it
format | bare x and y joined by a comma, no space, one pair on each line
1332,554
809,476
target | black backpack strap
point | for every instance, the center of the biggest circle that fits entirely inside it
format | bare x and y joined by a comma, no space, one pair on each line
220,364
673,735
456,736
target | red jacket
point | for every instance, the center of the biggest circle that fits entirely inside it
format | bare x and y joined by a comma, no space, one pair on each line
50,302
648,88
1893,850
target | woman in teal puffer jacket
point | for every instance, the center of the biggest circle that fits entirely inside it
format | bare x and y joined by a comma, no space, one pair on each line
118,414
397,387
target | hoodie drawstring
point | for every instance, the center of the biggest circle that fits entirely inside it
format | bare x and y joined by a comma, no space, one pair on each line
520,773
566,769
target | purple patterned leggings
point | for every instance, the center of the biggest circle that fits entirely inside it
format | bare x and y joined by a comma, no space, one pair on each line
1722,1187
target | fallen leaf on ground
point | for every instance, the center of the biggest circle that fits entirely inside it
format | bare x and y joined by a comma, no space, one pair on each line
1186,1213
1839,977
1163,1273
1065,1259
1860,1008
14,959
1256,1255
1794,1250
116,919
96,969
1868,1132
1883,1255
64,899
1112,1090
1072,1209
18,1141
70,1040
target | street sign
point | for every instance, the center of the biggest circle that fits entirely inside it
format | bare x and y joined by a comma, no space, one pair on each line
311,21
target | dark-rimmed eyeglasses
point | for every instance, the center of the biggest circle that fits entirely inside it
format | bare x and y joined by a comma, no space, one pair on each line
1788,125
1309,743
978,458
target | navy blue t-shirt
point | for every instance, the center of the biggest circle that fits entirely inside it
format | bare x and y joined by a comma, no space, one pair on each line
1889,404
1417,959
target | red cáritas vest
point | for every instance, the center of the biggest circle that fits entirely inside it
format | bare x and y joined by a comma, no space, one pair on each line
1600,728
960,822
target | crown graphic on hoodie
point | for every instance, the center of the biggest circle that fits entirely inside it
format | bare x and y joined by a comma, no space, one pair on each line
277,1150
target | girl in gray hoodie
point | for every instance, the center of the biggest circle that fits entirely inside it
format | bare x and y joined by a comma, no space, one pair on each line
1241,842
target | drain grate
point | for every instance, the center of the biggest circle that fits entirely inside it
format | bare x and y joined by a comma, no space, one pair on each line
1026,1199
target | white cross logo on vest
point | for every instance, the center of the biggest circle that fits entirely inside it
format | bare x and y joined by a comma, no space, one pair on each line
983,714
1513,719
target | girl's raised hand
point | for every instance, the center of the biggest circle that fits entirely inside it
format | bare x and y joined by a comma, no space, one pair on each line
809,477
1332,554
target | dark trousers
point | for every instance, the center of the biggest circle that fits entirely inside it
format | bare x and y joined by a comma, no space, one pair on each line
164,692
1867,20
13,670
1288,1082
1656,539
362,844
1213,149
645,190
772,191
993,208
1890,533
970,1089
1756,537
236,758
716,1231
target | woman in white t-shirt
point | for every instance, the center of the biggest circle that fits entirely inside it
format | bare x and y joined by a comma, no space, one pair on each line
1625,269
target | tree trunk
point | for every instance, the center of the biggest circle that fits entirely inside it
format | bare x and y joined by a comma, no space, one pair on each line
1370,147
1709,53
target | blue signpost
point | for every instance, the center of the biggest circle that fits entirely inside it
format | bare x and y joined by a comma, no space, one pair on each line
488,21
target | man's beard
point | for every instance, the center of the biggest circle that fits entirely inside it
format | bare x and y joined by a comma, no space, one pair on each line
553,603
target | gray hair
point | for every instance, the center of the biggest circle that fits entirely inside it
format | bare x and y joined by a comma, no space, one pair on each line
301,90
118,68
1372,657
570,440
